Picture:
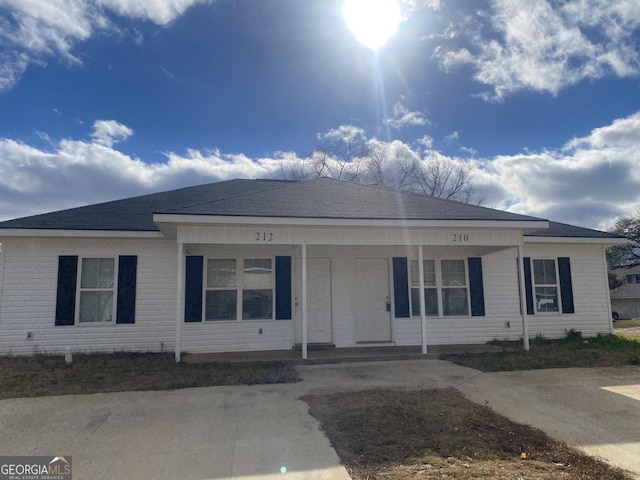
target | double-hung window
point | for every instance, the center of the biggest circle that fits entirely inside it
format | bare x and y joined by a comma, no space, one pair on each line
455,294
234,293
257,293
545,284
445,280
430,288
221,299
97,287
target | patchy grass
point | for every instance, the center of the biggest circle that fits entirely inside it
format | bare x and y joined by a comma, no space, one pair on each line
635,322
49,375
572,351
400,435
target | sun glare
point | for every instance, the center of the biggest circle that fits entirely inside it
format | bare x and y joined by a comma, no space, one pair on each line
372,22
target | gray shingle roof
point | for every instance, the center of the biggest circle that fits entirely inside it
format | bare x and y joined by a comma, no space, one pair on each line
320,198
570,231
136,214
329,198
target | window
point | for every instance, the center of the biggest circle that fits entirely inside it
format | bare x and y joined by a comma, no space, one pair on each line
221,296
545,281
629,278
453,286
430,288
637,278
228,290
97,290
257,295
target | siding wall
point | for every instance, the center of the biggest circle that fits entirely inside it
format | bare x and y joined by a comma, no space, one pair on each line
590,287
502,308
233,336
28,298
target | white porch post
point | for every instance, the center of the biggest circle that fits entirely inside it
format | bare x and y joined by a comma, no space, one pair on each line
423,315
179,291
304,301
523,300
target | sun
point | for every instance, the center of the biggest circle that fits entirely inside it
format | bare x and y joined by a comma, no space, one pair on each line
372,22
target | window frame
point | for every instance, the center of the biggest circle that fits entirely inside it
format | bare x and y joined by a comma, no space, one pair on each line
535,285
439,286
239,288
80,289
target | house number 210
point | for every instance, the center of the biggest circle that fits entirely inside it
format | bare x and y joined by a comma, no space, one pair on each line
460,237
264,237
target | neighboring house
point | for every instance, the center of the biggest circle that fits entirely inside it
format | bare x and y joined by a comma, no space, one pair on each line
625,300
263,265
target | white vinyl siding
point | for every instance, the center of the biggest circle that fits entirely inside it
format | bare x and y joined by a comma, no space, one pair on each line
29,298
30,277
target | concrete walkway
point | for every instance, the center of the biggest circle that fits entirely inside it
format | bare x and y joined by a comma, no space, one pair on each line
262,431
594,409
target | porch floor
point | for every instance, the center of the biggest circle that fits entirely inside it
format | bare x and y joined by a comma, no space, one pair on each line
329,354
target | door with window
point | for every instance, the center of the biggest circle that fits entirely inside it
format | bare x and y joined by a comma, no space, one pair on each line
319,322
372,307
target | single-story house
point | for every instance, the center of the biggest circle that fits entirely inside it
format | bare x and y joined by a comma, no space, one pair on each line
249,265
625,300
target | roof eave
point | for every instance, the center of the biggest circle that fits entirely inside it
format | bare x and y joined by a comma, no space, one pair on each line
78,233
586,240
167,222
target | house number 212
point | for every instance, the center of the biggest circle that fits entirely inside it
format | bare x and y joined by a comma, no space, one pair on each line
264,237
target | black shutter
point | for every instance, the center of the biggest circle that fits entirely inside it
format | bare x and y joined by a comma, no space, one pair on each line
66,296
528,286
566,288
127,274
193,289
283,288
401,287
476,287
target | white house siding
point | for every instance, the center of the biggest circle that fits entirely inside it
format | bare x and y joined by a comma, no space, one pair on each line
588,273
502,318
236,336
502,302
28,298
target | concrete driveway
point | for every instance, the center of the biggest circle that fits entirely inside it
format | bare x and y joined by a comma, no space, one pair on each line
594,409
265,430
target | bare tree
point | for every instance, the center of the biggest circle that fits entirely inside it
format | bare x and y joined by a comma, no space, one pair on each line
348,155
629,253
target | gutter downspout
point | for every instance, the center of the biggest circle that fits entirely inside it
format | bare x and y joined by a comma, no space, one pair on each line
606,284
523,301
423,315
179,290
304,301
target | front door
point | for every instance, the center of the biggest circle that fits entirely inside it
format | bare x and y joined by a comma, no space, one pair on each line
373,316
318,300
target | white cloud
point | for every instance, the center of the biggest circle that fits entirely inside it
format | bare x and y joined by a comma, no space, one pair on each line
108,132
344,133
32,31
160,12
589,182
546,46
402,117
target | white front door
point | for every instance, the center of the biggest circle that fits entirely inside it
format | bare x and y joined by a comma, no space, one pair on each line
318,300
373,318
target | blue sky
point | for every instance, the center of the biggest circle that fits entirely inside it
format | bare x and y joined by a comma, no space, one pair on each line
104,99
